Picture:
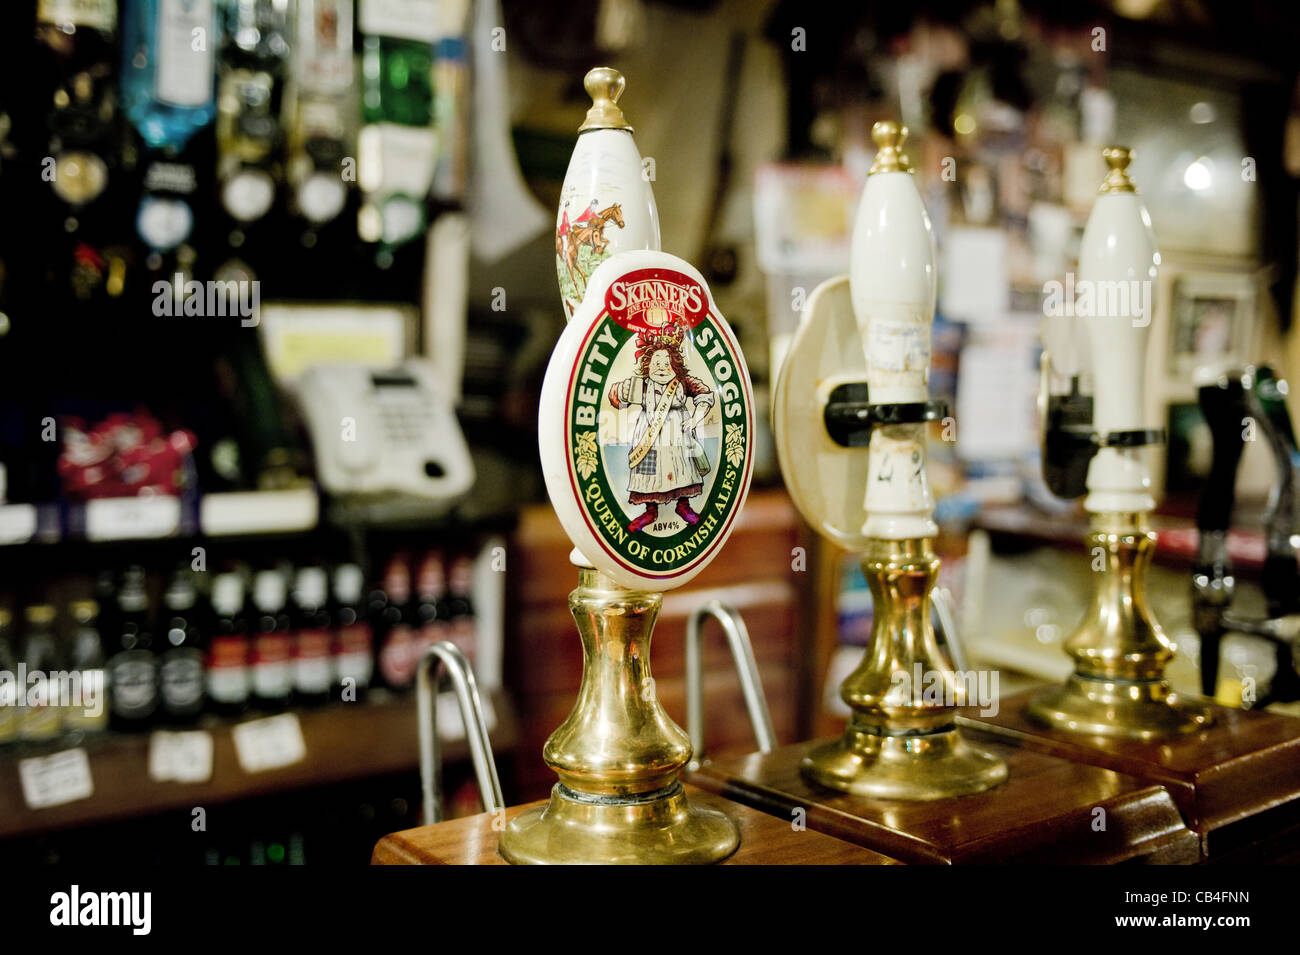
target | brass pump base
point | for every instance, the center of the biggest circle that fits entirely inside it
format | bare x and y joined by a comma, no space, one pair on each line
1143,710
931,766
664,830
618,755
1118,689
900,744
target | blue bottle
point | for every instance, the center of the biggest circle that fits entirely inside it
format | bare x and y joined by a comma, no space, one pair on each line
168,52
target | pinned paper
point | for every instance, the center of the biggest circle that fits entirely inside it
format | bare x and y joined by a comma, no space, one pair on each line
180,757
56,779
269,743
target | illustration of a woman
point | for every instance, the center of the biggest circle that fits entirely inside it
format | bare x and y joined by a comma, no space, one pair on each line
667,463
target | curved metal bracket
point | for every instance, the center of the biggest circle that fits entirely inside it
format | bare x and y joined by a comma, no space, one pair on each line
742,651
941,607
476,735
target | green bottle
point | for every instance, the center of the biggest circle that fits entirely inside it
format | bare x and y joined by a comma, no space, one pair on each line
398,142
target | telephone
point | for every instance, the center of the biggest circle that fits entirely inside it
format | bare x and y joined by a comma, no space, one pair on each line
378,431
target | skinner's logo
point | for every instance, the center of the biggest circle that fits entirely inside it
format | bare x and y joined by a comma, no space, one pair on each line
659,423
652,298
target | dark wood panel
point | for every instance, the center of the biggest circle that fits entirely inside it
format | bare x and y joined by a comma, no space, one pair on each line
555,661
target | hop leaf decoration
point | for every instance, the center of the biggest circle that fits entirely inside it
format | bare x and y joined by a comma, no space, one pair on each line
588,457
735,445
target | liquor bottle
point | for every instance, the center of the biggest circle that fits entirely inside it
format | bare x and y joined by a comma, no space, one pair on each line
167,90
321,121
250,90
133,661
41,717
272,642
312,670
398,144
397,649
462,625
167,68
228,677
77,38
353,635
431,606
86,659
8,680
181,668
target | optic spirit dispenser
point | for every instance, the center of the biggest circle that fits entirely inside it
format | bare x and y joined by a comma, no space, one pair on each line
1118,687
645,432
861,363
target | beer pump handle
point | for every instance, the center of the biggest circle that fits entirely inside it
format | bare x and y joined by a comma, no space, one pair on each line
1118,255
1223,404
892,286
606,202
1281,580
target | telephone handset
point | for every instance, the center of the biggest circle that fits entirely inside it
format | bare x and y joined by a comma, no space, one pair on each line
377,431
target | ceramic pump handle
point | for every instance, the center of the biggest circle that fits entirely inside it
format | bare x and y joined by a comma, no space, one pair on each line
606,202
892,286
1118,262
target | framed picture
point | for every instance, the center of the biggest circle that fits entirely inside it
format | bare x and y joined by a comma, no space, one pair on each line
1212,324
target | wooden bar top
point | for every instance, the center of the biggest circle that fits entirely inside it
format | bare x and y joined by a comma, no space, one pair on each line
1046,811
1245,764
764,840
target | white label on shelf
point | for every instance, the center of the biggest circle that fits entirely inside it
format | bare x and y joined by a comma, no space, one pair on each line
269,743
120,518
56,779
407,19
255,512
97,14
17,523
186,38
180,757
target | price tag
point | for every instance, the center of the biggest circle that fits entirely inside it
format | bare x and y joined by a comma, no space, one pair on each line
126,518
180,757
56,779
17,523
270,743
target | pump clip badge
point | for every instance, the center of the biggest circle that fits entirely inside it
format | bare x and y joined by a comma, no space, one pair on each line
659,421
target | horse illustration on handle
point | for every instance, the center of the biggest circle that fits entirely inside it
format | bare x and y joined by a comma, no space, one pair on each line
589,230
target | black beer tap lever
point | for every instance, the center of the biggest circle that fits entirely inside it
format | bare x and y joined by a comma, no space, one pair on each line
1281,577
1223,404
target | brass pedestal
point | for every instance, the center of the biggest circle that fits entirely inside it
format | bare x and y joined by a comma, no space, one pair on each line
1118,688
660,828
901,742
618,755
